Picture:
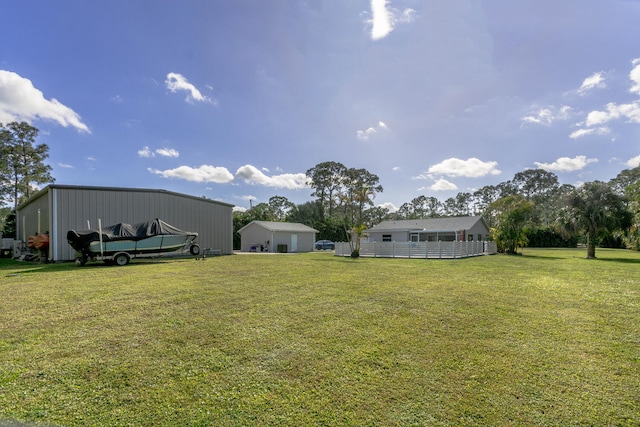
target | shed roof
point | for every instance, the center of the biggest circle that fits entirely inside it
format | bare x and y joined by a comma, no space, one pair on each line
429,224
125,189
293,227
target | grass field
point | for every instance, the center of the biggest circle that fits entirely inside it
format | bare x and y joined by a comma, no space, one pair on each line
547,338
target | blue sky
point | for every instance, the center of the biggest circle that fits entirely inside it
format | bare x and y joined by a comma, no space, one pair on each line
235,100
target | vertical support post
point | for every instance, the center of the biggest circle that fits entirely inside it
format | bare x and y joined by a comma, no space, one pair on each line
100,238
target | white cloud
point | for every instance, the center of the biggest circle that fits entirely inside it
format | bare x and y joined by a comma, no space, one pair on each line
633,162
634,75
369,132
168,152
252,175
145,152
443,185
21,101
388,205
165,152
203,173
546,116
596,80
384,19
542,117
66,166
597,118
614,111
566,164
366,134
238,209
583,132
470,168
630,111
176,82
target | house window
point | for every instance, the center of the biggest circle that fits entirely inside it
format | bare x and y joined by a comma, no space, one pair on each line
414,237
479,237
386,237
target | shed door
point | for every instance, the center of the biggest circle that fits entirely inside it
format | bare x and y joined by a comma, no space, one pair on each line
294,243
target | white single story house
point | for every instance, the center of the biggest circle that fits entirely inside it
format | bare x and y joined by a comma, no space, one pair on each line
448,229
269,236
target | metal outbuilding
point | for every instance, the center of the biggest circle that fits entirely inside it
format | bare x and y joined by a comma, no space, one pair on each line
56,209
269,236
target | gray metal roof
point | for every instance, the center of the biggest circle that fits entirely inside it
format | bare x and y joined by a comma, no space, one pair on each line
126,189
293,227
429,224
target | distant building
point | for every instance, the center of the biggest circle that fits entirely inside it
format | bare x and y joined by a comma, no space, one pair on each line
56,209
449,229
453,237
268,236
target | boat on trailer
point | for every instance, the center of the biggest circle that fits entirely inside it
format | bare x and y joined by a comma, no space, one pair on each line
119,243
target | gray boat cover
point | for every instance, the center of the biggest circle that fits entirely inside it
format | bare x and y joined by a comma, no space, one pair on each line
79,239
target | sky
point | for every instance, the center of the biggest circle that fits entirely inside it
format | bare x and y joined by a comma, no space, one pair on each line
236,100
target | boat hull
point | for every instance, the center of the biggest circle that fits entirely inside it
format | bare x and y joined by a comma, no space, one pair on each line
155,244
121,242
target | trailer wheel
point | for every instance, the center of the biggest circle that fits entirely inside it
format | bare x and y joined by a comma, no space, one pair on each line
194,250
121,258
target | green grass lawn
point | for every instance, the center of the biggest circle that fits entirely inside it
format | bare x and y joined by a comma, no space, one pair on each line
548,338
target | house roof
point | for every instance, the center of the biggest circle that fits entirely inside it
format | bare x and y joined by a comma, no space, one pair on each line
430,224
293,227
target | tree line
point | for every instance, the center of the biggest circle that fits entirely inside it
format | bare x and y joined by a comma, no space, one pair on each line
531,209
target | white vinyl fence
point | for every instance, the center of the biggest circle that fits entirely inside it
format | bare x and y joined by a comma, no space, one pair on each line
419,249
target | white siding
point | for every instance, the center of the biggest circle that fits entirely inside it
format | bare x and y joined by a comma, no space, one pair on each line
254,234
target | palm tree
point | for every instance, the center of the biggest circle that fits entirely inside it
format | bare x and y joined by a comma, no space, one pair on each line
594,210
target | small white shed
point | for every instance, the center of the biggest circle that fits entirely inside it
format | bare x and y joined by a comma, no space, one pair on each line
268,236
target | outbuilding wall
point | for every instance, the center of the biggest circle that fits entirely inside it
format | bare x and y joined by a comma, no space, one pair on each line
64,208
254,237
